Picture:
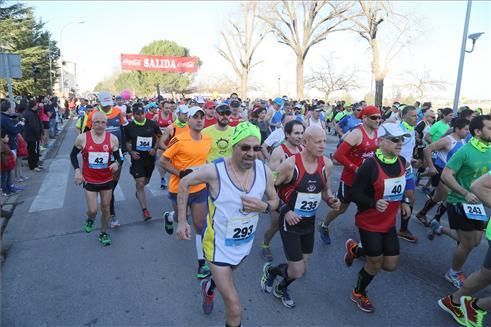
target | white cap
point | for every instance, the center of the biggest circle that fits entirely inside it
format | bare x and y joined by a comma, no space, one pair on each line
183,109
194,110
391,130
105,98
200,99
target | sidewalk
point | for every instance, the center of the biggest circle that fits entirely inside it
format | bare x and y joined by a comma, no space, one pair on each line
8,203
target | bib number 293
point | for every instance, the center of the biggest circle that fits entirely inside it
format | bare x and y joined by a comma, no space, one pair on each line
244,232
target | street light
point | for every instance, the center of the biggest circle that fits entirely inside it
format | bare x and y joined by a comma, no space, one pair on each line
61,54
465,36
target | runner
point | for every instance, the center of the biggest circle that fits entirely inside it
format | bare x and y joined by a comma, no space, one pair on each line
115,125
303,180
276,138
210,118
236,186
142,136
379,191
98,148
237,114
465,309
409,119
444,148
164,119
465,166
358,145
440,128
293,139
421,129
315,118
186,152
349,122
274,115
220,134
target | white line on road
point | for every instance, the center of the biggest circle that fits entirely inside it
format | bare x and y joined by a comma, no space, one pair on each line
55,181
118,194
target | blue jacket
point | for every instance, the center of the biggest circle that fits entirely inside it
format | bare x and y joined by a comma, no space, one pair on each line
10,128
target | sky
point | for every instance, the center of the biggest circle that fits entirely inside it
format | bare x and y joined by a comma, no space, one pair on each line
114,27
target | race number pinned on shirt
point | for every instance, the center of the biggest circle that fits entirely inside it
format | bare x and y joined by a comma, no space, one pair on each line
241,230
475,211
307,204
98,160
394,188
143,143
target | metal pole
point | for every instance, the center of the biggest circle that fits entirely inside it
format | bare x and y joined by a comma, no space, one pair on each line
462,54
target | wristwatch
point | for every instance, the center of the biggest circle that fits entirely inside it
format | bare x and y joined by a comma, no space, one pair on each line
268,208
406,200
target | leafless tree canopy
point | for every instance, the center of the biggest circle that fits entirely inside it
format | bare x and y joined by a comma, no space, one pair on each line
240,41
302,24
327,80
366,21
423,82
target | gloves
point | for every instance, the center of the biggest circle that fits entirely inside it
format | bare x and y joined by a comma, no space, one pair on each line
184,173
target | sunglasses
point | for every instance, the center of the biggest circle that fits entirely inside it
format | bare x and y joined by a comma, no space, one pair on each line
247,148
375,117
224,113
394,139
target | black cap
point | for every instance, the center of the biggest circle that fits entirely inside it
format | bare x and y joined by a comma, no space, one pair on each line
235,103
223,108
138,110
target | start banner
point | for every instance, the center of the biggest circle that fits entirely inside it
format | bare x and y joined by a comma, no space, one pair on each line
167,64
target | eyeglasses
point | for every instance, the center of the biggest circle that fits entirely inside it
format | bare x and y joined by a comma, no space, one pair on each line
247,148
375,117
394,139
224,113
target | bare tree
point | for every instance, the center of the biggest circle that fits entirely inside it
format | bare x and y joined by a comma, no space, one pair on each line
367,23
327,80
301,32
241,41
217,83
422,82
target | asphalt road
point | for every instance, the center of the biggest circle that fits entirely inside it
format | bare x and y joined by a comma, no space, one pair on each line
57,275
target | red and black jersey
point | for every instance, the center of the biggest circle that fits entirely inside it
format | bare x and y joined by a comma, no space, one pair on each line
287,152
389,188
164,122
96,160
303,193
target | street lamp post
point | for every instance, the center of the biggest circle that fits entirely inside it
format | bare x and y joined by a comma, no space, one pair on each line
465,36
62,82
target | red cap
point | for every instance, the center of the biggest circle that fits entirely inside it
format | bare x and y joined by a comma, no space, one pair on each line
209,105
370,110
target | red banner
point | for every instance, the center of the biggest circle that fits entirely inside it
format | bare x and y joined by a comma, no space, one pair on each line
166,64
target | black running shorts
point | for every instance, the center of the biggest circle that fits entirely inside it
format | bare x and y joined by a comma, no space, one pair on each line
142,167
435,179
459,221
343,192
98,187
299,239
376,244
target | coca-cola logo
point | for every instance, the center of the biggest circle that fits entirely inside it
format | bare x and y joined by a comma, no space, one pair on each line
186,64
134,62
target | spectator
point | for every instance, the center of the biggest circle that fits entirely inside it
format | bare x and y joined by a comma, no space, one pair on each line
53,110
7,165
43,116
32,134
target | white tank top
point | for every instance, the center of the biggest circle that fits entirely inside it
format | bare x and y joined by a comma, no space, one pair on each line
229,233
315,123
442,156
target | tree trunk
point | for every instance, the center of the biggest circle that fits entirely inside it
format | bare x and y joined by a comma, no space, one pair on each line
299,78
244,80
379,92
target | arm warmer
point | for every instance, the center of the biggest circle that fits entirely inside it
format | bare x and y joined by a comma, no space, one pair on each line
340,156
117,157
73,157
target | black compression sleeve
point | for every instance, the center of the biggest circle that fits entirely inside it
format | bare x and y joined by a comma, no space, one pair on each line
117,157
73,157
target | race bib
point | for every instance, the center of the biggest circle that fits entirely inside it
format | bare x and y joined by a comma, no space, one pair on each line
241,230
394,188
98,160
143,143
307,204
475,211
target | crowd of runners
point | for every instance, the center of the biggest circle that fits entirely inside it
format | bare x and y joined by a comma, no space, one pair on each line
223,163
